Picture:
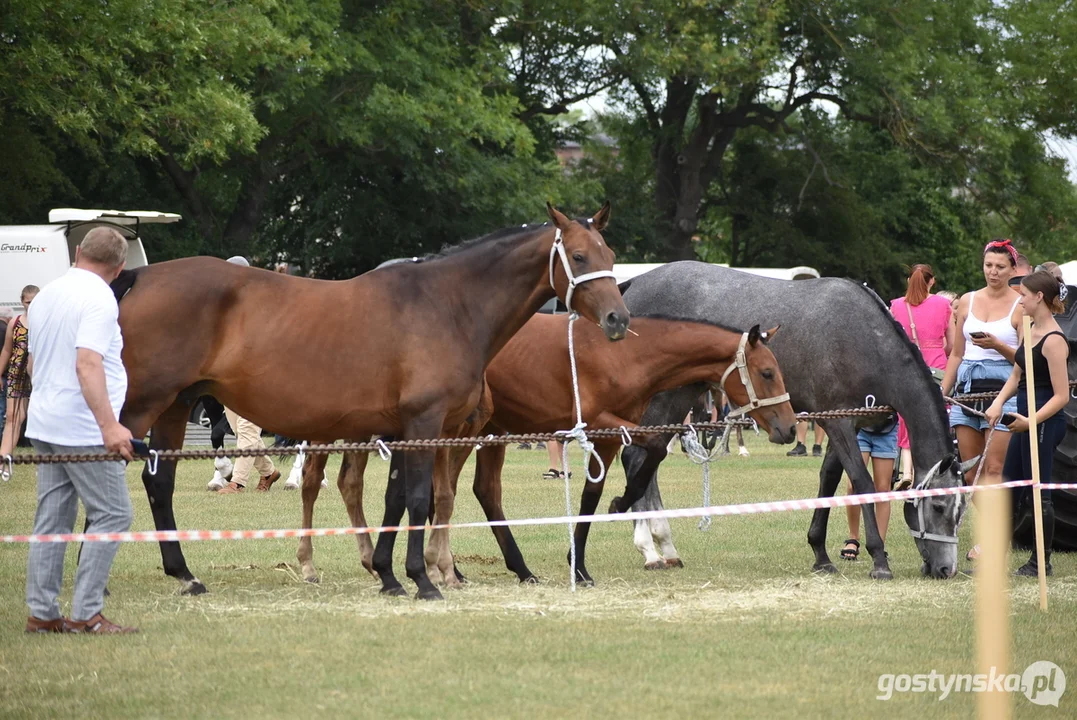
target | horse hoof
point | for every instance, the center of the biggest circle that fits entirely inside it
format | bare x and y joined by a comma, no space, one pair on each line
881,574
394,591
431,594
529,580
459,575
585,582
656,565
674,563
615,505
193,587
827,567
313,579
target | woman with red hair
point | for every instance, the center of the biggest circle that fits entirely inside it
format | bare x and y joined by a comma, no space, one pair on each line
926,320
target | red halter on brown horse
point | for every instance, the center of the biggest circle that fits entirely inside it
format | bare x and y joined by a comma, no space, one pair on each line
398,351
531,391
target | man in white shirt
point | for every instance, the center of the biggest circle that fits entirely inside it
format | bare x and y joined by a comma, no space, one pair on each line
79,387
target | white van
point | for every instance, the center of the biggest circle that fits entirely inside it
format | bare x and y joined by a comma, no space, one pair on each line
38,254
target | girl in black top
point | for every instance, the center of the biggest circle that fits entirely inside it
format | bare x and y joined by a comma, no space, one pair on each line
1040,297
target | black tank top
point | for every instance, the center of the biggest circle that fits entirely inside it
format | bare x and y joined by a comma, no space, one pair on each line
1039,363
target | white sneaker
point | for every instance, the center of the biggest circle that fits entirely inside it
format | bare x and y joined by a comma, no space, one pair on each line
743,452
217,482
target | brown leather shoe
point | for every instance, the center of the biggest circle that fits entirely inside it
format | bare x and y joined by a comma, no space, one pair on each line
267,481
97,625
231,489
36,625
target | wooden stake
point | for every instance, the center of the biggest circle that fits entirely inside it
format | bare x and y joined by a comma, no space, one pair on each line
1033,442
992,533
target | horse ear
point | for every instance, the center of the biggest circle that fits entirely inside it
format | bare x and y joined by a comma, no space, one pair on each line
968,464
557,217
754,336
769,334
602,217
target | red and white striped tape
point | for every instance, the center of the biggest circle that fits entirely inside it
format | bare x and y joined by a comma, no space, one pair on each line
743,509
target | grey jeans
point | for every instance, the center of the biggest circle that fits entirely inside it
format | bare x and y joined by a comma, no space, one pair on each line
102,487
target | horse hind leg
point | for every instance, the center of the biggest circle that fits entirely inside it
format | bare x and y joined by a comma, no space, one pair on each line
440,567
167,434
829,479
313,470
350,484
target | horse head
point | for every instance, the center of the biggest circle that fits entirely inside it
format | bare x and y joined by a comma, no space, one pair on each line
581,271
760,391
934,521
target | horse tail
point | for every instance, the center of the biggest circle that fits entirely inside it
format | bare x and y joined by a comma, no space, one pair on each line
281,441
124,282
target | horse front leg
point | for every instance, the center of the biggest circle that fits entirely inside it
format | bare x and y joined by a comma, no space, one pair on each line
394,511
313,471
829,479
640,461
592,493
487,487
418,486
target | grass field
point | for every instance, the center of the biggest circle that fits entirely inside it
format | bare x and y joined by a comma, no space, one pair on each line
744,630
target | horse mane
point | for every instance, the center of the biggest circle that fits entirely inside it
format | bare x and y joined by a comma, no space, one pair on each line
507,233
924,371
694,321
123,283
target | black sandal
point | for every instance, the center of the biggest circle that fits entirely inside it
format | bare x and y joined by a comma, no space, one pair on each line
850,553
551,474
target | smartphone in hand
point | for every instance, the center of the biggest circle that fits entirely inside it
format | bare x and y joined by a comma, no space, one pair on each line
1007,419
978,335
140,447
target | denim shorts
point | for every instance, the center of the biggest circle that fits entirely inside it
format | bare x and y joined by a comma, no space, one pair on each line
879,445
991,370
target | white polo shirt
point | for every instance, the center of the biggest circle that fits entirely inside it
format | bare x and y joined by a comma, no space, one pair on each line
77,310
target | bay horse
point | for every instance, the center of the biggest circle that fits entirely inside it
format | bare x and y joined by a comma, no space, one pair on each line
530,390
838,344
397,351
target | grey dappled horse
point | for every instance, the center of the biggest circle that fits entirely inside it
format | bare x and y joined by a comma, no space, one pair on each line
838,343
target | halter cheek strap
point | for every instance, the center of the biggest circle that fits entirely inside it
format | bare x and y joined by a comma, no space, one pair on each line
740,364
921,534
558,250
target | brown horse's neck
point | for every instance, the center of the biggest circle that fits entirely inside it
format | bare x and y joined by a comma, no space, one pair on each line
675,353
508,279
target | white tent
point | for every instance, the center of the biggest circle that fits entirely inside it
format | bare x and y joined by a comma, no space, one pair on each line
1069,272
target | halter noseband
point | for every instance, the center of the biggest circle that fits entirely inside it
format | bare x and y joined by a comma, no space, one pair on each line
740,364
558,249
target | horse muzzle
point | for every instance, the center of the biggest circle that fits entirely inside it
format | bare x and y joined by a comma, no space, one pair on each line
615,324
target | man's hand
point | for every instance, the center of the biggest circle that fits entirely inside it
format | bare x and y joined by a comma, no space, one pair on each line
118,440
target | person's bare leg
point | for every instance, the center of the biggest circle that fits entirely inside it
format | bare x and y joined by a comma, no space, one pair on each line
852,512
882,469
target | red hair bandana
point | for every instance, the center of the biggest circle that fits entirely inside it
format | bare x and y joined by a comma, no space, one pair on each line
1003,245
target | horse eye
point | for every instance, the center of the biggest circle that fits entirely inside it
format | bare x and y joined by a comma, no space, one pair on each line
767,375
939,507
578,257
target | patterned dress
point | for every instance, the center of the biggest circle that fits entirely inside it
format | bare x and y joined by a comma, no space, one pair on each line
18,382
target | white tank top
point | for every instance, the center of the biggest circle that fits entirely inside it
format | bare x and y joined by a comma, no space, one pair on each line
1002,328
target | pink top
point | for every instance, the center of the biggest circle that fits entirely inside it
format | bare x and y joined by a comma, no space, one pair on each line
932,317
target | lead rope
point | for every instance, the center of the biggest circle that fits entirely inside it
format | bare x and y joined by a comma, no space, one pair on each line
579,435
699,455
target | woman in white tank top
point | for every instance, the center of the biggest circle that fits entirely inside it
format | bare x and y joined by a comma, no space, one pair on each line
982,356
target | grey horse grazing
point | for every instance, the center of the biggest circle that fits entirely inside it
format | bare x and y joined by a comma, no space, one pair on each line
838,344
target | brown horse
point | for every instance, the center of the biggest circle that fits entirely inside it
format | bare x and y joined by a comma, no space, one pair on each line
398,351
531,391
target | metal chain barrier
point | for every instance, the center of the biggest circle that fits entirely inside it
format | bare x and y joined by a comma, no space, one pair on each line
7,462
